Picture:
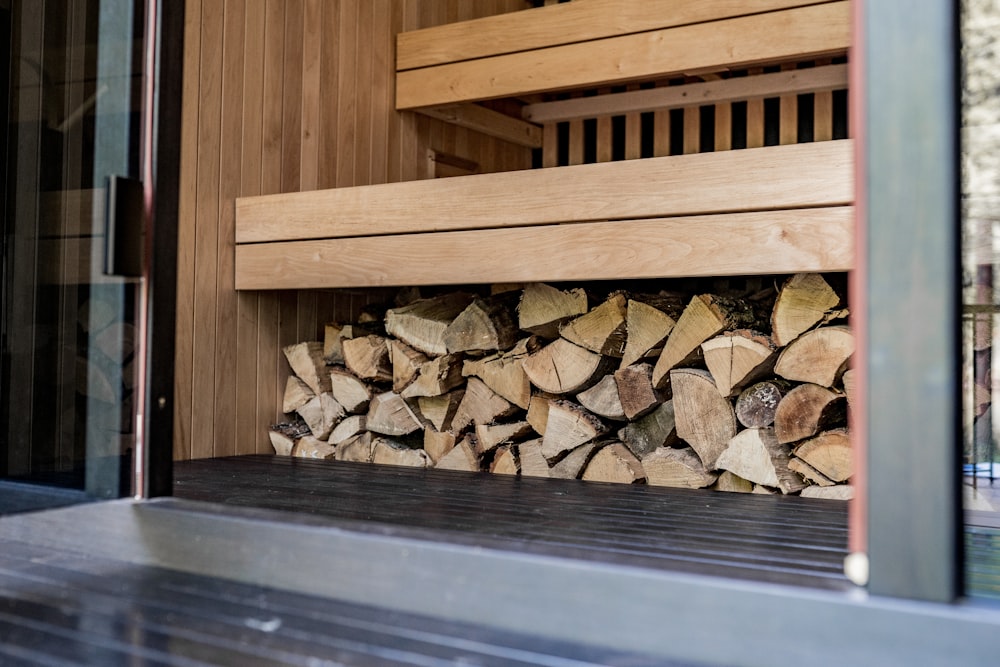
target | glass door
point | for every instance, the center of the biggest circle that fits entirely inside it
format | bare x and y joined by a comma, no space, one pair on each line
73,222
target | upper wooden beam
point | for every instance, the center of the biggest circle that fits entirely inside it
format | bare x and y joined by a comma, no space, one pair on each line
489,122
794,176
799,33
578,21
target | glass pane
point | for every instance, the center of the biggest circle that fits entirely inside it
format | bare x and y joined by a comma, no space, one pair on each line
981,302
68,366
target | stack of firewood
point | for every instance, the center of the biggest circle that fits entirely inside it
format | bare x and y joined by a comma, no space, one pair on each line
732,390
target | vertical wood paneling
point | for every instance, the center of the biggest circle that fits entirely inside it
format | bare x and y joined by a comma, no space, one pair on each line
312,52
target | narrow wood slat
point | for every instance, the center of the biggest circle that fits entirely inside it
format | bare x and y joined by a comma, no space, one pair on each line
563,24
291,121
604,135
802,240
381,91
692,130
823,112
661,128
633,134
723,126
755,118
788,123
312,101
550,145
806,32
576,142
776,177
363,91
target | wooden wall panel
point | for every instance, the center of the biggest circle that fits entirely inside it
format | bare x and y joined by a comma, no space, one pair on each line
285,96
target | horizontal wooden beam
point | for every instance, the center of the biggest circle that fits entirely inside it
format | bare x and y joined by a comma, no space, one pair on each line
489,122
563,24
805,32
811,80
775,177
713,245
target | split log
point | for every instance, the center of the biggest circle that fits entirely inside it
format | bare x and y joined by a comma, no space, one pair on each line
437,376
349,391
569,426
636,392
480,405
732,483
313,448
614,463
806,410
321,413
758,403
504,372
538,412
347,429
358,449
705,419
504,463
485,325
405,362
533,463
848,381
646,328
803,302
680,468
461,457
422,324
490,436
438,443
297,394
818,356
306,361
368,358
809,473
571,465
283,436
756,455
602,399
282,444
829,453
389,414
602,330
440,410
386,451
562,367
737,358
838,492
544,308
334,335
655,430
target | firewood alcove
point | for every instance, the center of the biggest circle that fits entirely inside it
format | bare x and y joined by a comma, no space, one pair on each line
678,253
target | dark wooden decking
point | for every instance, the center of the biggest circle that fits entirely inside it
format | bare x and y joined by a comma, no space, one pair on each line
776,539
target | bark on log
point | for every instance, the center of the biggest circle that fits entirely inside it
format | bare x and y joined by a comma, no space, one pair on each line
757,404
569,426
485,325
818,356
297,394
803,302
602,399
602,330
737,358
504,372
679,468
422,324
614,463
349,391
389,414
562,367
636,392
646,328
806,410
368,358
306,361
543,308
755,455
829,453
705,420
655,430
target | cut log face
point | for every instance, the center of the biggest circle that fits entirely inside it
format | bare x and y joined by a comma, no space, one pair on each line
538,412
602,330
562,367
334,335
705,419
818,356
848,380
756,455
573,463
602,399
614,463
437,376
281,442
368,358
757,404
838,492
569,426
806,410
803,302
306,361
406,363
297,394
504,373
437,443
485,325
732,483
313,448
543,308
389,414
829,453
480,405
680,468
386,451
646,329
636,392
705,316
441,410
490,436
349,391
461,457
533,463
321,413
655,430
347,429
737,358
356,450
505,463
422,324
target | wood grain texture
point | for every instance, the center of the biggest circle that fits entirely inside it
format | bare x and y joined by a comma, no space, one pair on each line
564,24
786,241
803,175
807,32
